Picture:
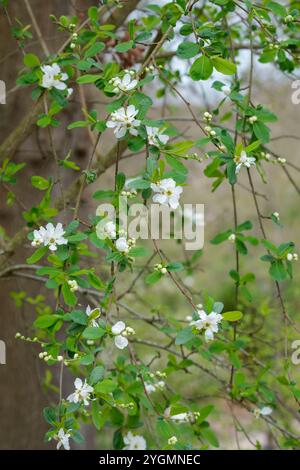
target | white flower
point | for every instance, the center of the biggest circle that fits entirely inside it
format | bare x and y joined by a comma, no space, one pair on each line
172,440
150,388
155,137
252,119
110,230
126,83
292,256
123,120
167,193
89,312
232,238
119,332
82,392
50,236
134,442
264,411
53,77
63,439
226,90
243,160
181,417
73,285
122,245
208,322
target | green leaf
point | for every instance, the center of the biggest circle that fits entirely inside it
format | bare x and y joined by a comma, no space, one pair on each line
106,386
89,78
40,183
278,271
44,321
37,255
124,46
31,61
77,316
187,50
224,66
49,415
69,296
93,333
201,69
94,49
235,315
96,375
184,335
153,277
262,132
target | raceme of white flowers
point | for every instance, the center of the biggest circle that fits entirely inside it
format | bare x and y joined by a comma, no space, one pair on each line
166,192
123,120
73,285
50,236
155,137
53,77
94,314
82,392
120,332
124,84
152,387
124,245
63,439
134,442
243,160
208,322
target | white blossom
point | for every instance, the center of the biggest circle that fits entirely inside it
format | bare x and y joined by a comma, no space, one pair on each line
63,439
50,236
167,192
243,160
110,230
232,237
264,411
119,332
226,90
122,245
124,84
123,120
82,392
73,285
208,322
172,440
92,312
53,77
134,442
156,137
152,387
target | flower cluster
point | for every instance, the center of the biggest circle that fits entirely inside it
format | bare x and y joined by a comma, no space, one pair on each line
124,84
120,332
124,244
